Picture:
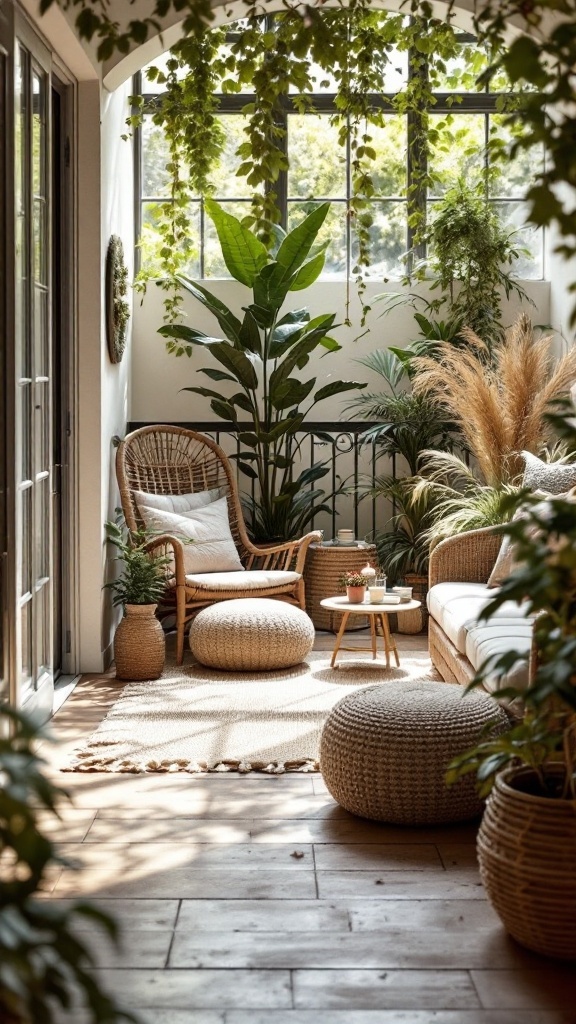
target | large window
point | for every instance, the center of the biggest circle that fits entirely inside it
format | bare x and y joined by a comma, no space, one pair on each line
461,123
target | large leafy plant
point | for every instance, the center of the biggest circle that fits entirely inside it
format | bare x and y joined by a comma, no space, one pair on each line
44,961
260,359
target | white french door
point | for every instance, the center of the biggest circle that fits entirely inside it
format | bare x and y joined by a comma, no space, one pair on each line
33,366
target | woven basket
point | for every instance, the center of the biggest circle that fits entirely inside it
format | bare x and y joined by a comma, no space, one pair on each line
139,644
527,856
322,573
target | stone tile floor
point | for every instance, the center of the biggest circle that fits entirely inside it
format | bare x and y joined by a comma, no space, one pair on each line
258,900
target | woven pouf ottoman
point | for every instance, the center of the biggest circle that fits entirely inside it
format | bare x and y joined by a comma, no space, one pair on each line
385,749
251,633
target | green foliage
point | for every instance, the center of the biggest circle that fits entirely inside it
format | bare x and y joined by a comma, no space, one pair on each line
540,60
409,424
544,540
263,354
471,260
356,47
144,574
186,113
405,547
353,579
43,958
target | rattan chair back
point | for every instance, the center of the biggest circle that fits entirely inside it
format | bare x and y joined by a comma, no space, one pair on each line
164,459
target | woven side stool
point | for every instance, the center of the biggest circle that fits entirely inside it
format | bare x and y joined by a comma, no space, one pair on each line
385,749
251,633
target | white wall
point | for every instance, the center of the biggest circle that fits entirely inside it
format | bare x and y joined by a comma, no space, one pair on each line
117,218
157,377
104,189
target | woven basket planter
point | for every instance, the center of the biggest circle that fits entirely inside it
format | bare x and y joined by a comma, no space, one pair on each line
527,856
139,644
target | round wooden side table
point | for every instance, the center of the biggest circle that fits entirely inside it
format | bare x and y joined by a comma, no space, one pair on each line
378,615
325,564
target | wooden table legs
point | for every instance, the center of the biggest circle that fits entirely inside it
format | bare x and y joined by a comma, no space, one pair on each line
376,618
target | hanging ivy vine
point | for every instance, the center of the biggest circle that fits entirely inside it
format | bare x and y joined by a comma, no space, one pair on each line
542,56
186,111
272,61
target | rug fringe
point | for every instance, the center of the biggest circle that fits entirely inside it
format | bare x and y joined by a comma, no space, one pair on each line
86,763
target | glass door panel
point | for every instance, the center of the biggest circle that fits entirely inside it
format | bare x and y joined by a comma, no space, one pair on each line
33,439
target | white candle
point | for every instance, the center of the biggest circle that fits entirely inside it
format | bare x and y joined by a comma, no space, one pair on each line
376,594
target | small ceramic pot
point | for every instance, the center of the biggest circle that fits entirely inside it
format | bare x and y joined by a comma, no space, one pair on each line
356,595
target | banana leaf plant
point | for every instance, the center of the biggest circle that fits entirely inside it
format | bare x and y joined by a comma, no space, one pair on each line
260,388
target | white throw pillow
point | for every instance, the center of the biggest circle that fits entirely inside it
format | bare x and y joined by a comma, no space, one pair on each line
177,502
212,548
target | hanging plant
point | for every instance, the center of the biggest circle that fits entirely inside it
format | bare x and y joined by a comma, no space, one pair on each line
278,61
539,60
186,111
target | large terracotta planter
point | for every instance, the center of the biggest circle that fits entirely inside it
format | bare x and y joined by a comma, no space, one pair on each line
139,644
527,857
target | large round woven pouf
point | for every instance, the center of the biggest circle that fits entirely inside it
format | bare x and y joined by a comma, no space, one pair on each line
385,750
251,633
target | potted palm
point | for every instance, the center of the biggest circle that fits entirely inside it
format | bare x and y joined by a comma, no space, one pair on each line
139,644
527,840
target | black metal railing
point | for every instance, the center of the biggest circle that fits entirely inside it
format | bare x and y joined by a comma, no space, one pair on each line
353,466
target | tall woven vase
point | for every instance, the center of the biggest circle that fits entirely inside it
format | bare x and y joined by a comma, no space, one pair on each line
527,856
139,644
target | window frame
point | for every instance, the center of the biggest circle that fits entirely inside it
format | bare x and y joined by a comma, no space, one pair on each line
446,103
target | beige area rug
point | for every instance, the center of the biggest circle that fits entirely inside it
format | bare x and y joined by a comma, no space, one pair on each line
197,720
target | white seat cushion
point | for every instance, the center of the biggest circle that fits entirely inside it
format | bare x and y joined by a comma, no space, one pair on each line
251,579
496,637
456,607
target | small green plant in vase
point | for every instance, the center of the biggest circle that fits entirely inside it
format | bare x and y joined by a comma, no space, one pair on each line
144,574
139,644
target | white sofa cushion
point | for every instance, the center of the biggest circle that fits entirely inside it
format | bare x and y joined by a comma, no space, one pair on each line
456,607
496,637
251,579
212,547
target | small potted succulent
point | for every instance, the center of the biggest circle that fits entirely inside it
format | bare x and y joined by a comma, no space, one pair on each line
139,645
355,584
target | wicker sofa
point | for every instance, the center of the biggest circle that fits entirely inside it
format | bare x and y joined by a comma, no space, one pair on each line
459,569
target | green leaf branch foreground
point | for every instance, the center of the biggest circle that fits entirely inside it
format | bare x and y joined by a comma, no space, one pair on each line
263,355
45,961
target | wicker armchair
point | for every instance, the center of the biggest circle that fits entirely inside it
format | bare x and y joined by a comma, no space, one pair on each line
174,460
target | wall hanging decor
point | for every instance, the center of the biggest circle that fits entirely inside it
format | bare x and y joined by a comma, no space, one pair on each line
117,307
